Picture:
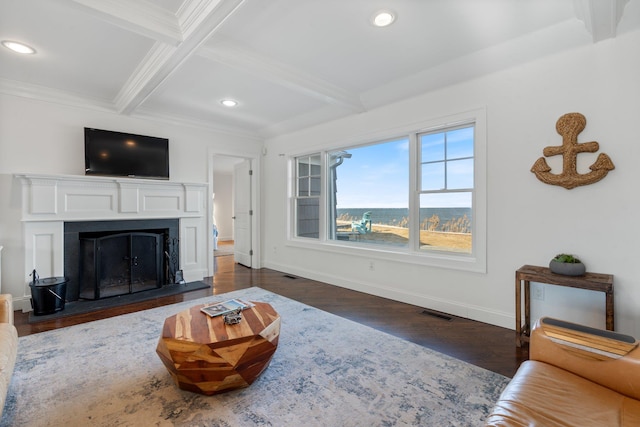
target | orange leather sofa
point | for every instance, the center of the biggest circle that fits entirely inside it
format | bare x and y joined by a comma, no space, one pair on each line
8,346
575,376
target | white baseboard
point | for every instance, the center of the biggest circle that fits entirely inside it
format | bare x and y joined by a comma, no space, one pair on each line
22,303
468,311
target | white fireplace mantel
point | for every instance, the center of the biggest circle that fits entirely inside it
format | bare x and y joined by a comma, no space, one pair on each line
48,201
79,198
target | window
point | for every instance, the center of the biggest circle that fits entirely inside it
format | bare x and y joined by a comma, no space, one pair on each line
307,200
446,189
418,196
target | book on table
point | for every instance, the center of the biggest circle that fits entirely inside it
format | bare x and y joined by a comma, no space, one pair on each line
225,307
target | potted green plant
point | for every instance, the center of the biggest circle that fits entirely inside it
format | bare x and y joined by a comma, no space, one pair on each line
567,265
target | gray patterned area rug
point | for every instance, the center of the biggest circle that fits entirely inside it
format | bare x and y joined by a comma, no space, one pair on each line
327,371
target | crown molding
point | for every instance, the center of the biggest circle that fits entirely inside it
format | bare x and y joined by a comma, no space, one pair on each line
47,94
306,120
209,125
600,18
562,37
55,96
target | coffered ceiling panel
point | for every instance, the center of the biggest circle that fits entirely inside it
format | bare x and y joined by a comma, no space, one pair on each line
260,101
76,52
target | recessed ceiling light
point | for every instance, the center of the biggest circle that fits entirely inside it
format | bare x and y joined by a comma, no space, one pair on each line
18,47
229,102
383,18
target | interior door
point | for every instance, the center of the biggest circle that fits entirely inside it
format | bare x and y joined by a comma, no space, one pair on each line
242,213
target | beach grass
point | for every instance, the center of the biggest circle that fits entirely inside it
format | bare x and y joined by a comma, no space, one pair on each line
434,240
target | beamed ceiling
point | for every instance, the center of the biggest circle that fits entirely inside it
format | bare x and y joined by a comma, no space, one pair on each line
289,64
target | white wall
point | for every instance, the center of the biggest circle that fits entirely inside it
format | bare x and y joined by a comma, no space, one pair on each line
45,138
528,221
223,204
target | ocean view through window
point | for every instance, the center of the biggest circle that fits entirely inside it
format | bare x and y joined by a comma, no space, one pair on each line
419,195
374,177
442,228
446,189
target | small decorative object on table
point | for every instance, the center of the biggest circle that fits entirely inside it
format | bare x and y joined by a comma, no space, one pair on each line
226,307
567,265
234,317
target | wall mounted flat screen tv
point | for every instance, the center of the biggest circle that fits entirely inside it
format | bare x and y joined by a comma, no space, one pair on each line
110,153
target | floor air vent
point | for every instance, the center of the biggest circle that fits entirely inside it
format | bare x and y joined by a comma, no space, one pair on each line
288,276
438,315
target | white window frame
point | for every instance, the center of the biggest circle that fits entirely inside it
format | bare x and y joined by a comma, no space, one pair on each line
476,261
295,196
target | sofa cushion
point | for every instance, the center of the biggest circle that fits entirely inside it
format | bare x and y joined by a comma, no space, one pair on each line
544,395
8,354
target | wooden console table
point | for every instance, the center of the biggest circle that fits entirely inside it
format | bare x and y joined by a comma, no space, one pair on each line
531,273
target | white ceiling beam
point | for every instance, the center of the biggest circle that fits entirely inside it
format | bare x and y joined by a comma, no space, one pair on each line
162,60
140,17
282,74
193,13
600,17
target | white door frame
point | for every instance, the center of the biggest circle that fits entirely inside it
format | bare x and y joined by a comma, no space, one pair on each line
256,259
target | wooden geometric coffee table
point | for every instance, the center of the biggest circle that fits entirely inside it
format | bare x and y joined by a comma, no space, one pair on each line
204,355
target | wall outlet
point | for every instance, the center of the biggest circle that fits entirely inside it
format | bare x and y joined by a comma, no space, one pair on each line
537,292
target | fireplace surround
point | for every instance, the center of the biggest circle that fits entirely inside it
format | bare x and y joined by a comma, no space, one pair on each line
55,206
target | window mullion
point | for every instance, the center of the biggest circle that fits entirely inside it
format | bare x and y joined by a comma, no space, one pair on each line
414,192
323,198
446,161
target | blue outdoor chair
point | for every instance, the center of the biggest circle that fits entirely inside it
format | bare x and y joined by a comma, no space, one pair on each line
364,225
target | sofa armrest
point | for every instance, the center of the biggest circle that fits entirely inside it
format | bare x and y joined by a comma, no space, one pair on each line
604,357
6,308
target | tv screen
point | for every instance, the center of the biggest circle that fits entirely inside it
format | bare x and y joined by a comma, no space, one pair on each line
111,153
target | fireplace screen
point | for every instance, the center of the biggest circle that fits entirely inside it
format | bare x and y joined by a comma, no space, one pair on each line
120,264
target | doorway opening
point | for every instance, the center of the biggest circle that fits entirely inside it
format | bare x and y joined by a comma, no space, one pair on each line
233,200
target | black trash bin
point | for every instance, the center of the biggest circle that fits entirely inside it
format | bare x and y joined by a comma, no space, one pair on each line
48,295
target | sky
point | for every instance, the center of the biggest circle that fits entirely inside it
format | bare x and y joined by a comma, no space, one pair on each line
377,176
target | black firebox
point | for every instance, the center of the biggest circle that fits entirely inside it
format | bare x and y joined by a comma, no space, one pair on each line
120,264
111,258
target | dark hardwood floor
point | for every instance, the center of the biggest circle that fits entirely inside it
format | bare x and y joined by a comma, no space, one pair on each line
484,345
